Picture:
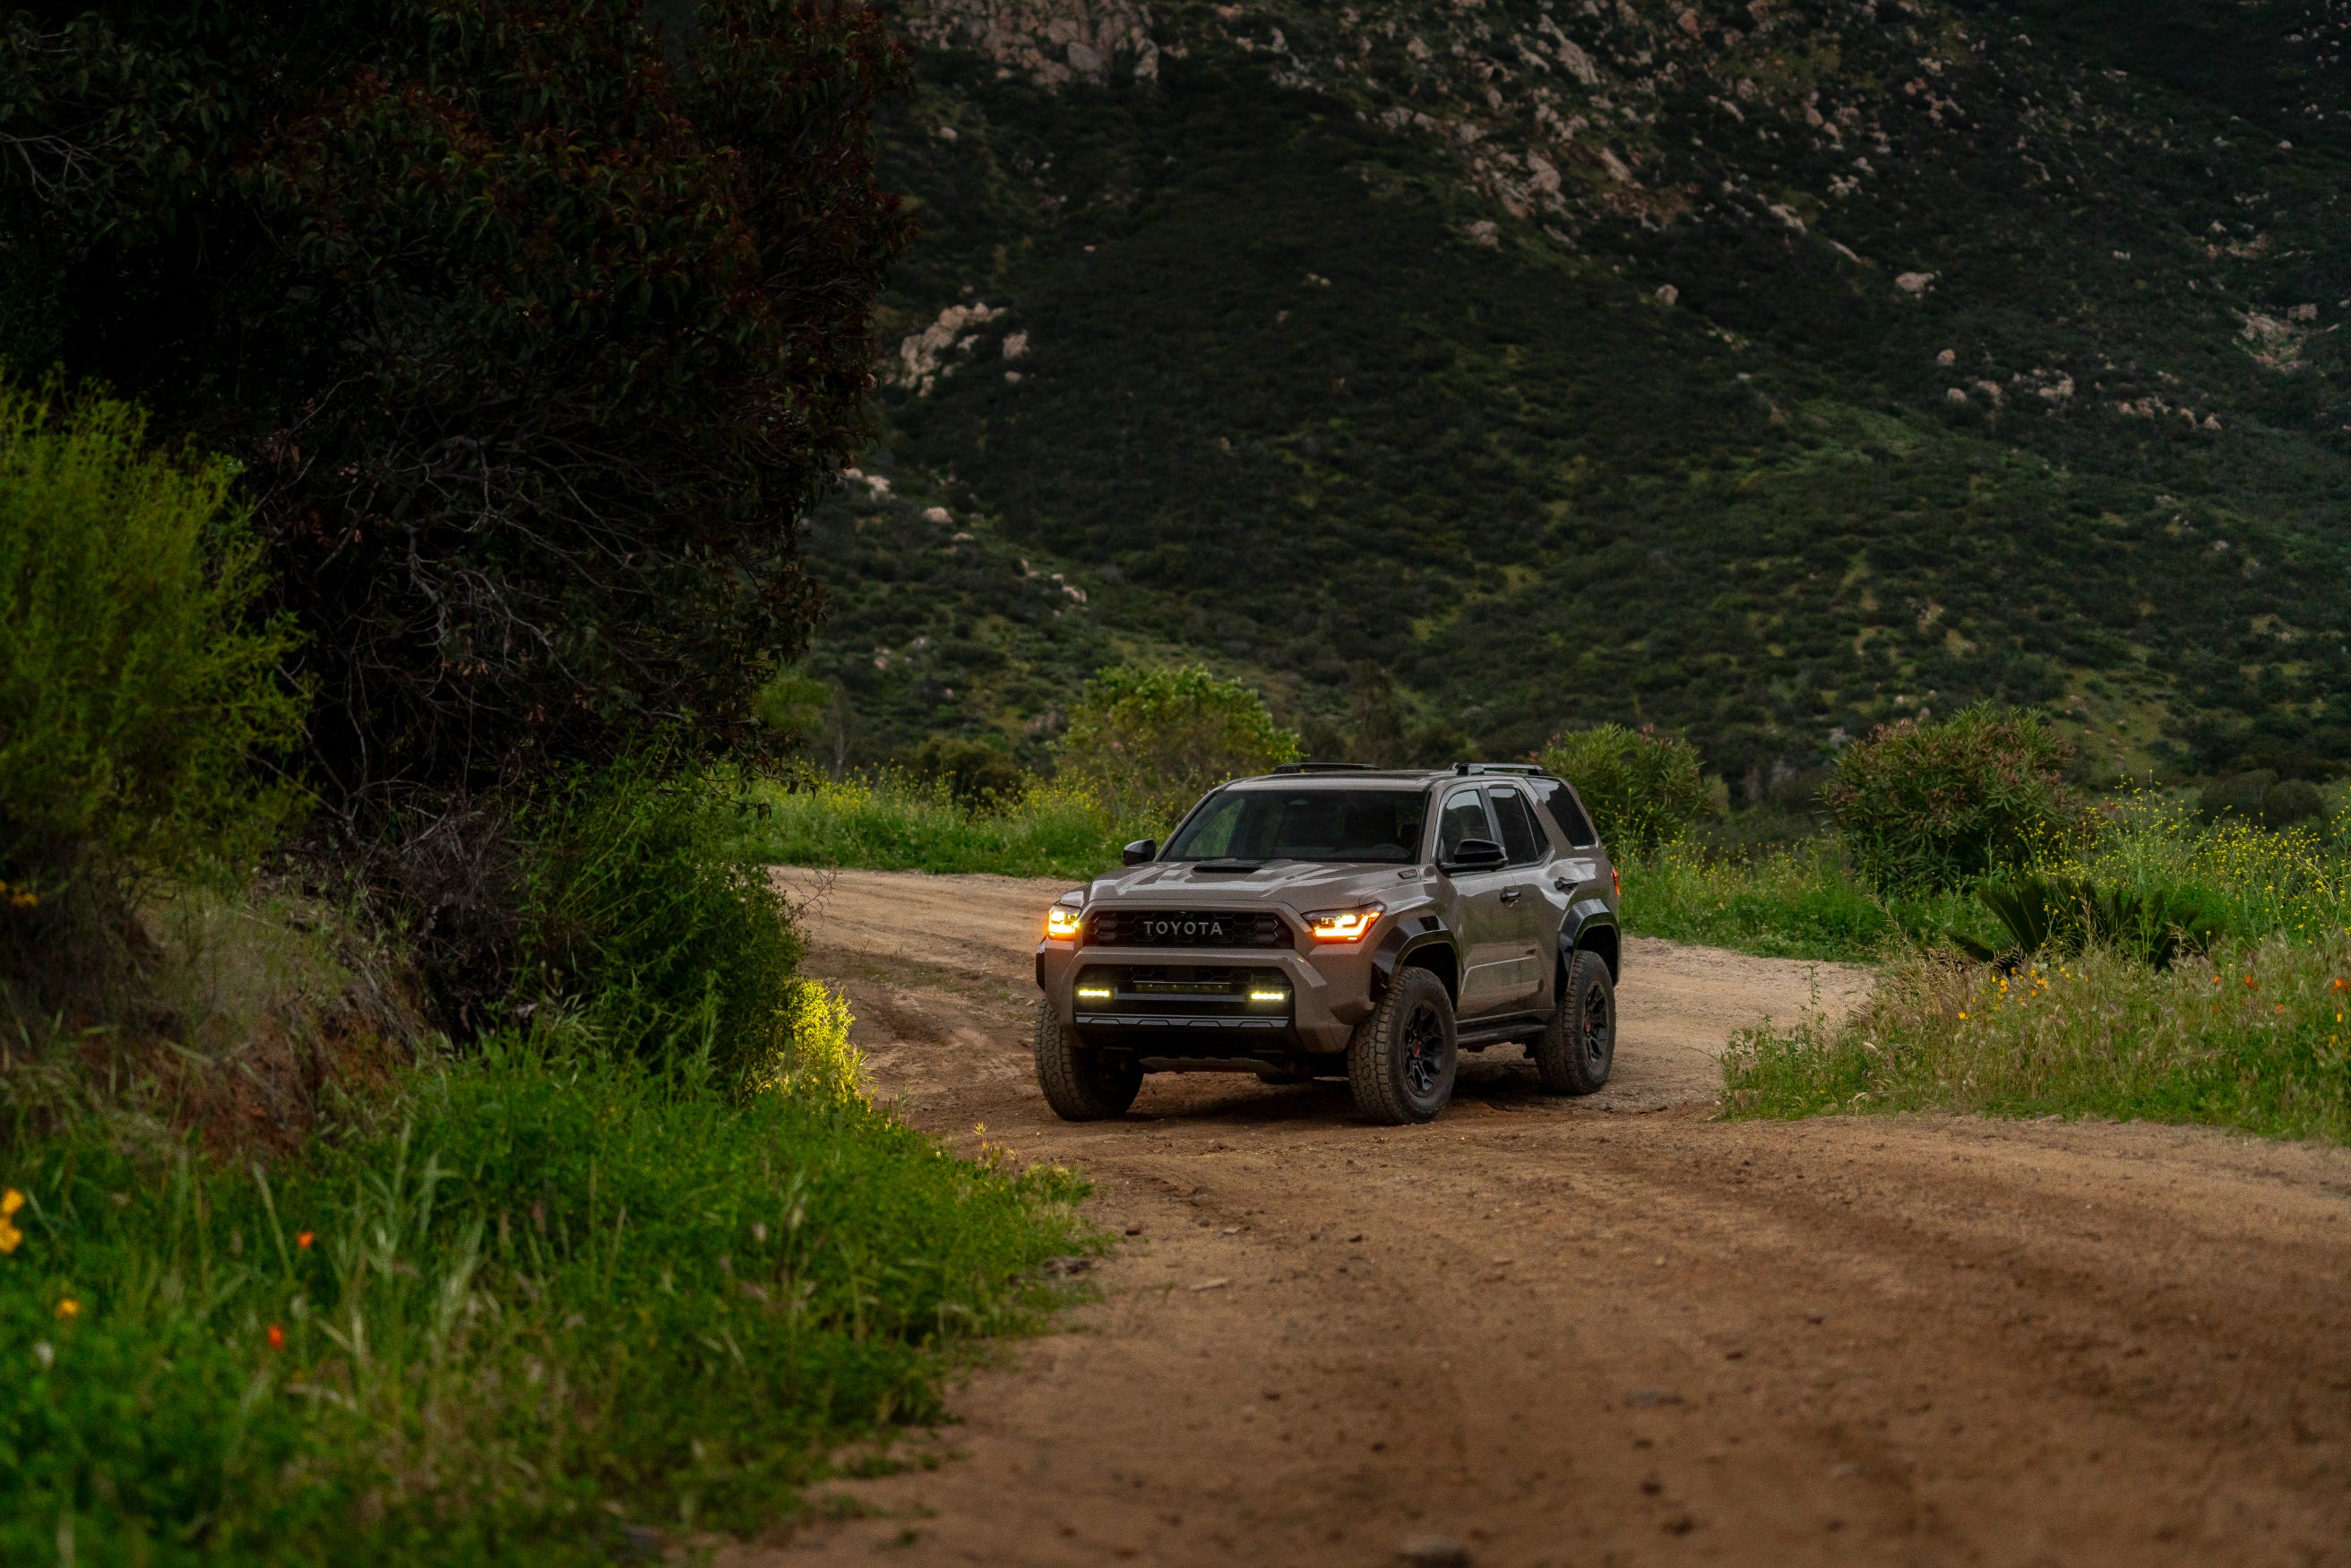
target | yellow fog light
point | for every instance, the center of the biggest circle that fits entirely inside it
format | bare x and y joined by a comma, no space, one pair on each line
1259,995
1344,924
1093,993
1062,923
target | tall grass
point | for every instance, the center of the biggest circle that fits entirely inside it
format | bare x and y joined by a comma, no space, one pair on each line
891,822
1801,902
2295,884
2257,1040
538,1296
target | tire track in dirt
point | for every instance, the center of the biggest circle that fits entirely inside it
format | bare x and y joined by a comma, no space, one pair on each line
1607,1330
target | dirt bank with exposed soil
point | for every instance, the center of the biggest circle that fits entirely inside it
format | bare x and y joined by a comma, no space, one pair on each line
1609,1331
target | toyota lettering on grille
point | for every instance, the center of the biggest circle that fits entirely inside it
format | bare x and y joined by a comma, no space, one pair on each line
1181,930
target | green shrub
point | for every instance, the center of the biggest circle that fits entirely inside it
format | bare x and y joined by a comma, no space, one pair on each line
2064,914
532,1289
2261,799
1935,804
794,704
974,772
1642,788
2257,1042
1150,742
137,691
641,916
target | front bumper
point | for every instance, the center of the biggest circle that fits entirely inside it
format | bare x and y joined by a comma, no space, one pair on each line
1185,1001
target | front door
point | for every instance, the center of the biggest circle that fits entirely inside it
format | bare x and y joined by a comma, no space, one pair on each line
1486,923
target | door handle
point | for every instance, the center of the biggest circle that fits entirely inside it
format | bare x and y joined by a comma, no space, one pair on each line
1510,894
1562,883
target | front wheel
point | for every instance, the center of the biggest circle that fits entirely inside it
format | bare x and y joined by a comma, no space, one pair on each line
1080,1084
1575,1053
1402,1059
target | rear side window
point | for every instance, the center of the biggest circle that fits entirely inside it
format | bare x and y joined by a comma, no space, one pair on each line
1521,840
1567,811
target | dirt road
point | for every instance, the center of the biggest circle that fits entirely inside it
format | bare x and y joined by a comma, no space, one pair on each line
1611,1330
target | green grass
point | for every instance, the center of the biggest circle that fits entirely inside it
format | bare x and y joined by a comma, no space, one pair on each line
1803,902
534,1297
2255,1041
891,823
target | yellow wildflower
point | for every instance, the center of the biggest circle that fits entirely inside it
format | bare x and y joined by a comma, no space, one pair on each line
68,1308
10,1236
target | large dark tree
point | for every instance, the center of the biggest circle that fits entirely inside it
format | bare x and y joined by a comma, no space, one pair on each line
537,324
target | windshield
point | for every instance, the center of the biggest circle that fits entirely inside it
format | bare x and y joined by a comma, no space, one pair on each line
1377,825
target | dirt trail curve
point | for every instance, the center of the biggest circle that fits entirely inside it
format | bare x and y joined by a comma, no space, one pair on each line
1610,1331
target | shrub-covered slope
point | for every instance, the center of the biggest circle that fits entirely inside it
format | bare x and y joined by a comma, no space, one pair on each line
1763,371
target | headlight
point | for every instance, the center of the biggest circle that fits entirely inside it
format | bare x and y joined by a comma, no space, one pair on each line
1062,923
1345,925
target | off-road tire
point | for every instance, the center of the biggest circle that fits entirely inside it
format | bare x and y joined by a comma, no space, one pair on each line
1579,1047
1080,1083
1402,1061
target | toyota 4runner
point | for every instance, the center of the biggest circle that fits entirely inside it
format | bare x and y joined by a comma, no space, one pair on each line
1339,921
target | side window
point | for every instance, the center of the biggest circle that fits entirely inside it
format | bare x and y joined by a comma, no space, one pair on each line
1520,838
1464,818
1567,811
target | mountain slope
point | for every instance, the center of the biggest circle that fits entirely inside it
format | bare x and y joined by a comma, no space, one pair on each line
1760,373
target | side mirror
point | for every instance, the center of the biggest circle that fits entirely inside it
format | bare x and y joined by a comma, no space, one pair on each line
1473,854
1140,852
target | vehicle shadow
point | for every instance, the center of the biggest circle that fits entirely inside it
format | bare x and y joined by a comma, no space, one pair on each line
1500,1084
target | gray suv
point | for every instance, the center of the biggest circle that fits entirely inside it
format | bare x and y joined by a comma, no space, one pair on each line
1339,921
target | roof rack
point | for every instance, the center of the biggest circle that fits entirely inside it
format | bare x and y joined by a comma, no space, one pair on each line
1323,767
1524,770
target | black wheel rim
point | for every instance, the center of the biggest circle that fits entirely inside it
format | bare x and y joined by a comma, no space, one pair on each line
1423,1050
1597,1024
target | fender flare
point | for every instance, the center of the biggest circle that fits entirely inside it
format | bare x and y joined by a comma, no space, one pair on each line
1403,941
1583,920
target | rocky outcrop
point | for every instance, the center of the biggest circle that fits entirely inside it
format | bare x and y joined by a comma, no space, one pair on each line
1050,41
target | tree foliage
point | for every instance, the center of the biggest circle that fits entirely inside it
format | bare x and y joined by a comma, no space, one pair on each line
537,327
1151,741
1937,804
1642,788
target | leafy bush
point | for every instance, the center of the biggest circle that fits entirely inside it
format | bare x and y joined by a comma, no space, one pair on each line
1642,788
1934,805
2263,798
794,704
1150,742
641,914
2259,1042
137,690
974,772
2064,914
532,1289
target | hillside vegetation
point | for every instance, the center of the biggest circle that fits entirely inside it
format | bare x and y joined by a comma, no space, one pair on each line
1760,371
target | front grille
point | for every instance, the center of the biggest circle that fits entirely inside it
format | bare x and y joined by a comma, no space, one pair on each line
1186,928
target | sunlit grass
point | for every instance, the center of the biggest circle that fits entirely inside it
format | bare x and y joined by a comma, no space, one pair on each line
2255,1039
891,822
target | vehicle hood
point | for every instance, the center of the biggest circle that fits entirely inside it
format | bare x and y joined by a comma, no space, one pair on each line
1300,885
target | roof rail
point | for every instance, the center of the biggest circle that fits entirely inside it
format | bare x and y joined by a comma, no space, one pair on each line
1323,767
1523,769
